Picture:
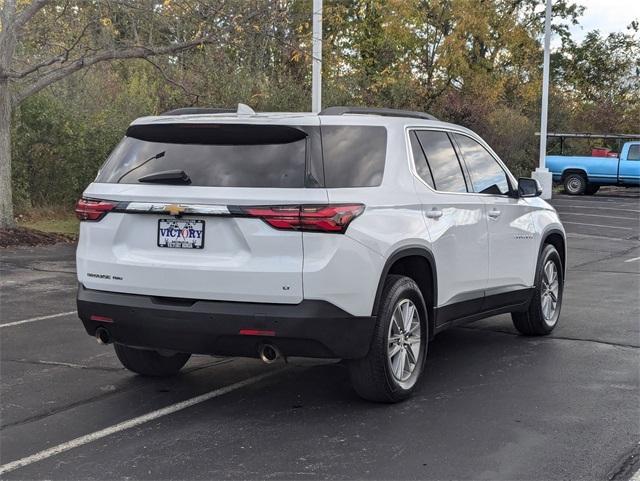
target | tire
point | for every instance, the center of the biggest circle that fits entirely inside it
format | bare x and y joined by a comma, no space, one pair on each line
575,183
378,376
150,363
541,317
592,189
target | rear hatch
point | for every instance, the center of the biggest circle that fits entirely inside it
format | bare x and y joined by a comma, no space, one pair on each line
202,210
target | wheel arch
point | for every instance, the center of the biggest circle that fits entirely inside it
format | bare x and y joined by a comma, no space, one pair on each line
418,263
574,170
557,239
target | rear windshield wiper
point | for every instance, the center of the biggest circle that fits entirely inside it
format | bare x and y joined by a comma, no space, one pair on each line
178,177
159,155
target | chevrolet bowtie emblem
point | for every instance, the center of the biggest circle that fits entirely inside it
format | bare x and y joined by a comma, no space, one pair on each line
174,209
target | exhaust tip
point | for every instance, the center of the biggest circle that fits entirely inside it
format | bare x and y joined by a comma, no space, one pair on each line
269,353
103,336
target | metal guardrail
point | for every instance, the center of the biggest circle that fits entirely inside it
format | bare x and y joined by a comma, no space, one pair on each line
587,135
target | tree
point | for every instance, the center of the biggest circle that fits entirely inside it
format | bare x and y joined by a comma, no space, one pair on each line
45,41
473,62
601,76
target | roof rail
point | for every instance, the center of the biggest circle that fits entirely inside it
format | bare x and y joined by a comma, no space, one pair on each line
377,111
198,110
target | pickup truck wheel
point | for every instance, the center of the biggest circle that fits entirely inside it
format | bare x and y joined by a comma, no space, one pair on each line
544,310
150,363
390,371
592,189
575,184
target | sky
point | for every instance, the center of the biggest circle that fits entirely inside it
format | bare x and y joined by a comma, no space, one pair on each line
606,15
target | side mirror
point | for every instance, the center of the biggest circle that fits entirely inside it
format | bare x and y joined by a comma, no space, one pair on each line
528,187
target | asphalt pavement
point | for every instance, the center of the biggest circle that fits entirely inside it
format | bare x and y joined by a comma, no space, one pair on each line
492,405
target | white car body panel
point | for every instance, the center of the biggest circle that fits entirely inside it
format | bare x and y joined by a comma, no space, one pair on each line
513,249
545,219
392,219
246,260
242,259
461,272
342,271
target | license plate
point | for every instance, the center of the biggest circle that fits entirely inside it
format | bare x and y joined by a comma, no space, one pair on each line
181,234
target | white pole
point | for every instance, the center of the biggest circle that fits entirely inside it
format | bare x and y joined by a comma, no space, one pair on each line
316,82
542,174
545,85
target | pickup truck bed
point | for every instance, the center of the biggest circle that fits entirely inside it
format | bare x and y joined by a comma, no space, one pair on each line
585,174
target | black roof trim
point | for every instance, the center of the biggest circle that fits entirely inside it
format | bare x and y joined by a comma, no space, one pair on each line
377,111
198,110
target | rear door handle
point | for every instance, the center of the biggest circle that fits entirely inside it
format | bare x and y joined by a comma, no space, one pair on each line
494,213
434,213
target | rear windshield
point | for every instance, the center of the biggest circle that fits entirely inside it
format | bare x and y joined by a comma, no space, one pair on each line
214,155
353,155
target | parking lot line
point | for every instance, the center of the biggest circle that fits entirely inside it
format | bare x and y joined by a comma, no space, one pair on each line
598,208
600,199
633,259
34,319
566,212
598,225
131,423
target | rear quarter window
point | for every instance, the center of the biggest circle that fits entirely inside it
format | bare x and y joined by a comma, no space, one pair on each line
354,156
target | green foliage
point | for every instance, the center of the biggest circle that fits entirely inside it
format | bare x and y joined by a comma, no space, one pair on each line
52,222
62,136
603,69
476,63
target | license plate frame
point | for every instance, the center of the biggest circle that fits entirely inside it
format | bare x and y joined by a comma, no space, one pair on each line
181,224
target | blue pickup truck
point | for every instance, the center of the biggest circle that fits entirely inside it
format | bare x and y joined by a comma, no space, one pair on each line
585,175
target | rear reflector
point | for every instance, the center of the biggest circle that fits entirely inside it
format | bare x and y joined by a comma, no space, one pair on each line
256,332
314,218
93,210
101,318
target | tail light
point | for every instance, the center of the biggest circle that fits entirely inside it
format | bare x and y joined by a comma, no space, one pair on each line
313,218
94,210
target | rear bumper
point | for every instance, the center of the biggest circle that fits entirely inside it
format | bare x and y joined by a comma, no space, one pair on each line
309,329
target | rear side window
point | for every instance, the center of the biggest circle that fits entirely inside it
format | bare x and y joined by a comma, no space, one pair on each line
214,155
354,156
420,161
634,152
443,161
486,174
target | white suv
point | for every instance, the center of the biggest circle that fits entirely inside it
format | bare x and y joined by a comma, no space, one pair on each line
354,233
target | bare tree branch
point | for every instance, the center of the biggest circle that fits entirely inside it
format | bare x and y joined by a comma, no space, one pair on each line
172,81
127,53
7,37
63,57
102,56
7,12
92,57
28,12
36,67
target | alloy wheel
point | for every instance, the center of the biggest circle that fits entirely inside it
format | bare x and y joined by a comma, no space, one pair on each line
550,292
404,340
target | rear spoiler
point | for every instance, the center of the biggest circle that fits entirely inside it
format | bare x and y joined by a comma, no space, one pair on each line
216,134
